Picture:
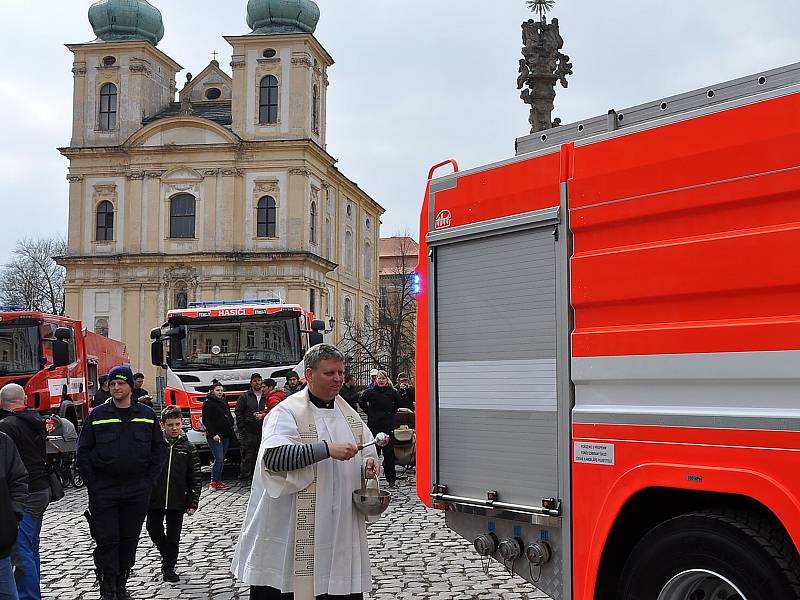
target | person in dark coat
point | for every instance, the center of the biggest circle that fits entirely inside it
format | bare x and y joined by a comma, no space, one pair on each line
218,421
13,492
381,403
139,393
103,393
405,392
249,419
293,383
177,492
349,392
121,452
28,431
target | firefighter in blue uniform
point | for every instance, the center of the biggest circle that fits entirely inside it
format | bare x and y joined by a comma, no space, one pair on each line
121,452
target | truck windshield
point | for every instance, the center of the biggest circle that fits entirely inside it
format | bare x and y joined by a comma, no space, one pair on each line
237,344
19,349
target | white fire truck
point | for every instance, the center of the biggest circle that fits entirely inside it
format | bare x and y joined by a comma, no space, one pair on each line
229,341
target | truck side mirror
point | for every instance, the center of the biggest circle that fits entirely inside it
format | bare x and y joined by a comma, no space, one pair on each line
155,333
60,352
318,325
63,333
157,353
314,338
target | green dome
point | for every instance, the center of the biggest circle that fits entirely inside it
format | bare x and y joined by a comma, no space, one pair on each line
266,17
122,20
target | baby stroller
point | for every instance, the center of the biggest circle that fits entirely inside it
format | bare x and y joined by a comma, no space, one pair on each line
405,439
61,447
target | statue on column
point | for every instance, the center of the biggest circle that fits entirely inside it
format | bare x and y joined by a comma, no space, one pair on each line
542,66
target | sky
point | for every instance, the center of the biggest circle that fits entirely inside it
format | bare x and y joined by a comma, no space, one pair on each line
415,82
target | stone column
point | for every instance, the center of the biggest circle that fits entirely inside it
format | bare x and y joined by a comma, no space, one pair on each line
295,205
134,188
77,214
152,212
79,107
229,241
210,242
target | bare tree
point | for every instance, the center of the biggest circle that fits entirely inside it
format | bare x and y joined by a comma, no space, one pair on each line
32,278
387,340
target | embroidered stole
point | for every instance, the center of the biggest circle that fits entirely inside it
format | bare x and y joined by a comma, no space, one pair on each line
306,499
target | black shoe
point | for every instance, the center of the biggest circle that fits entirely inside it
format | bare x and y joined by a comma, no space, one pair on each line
392,484
170,576
245,477
122,582
108,587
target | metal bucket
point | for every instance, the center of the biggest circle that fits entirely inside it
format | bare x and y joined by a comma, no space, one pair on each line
370,501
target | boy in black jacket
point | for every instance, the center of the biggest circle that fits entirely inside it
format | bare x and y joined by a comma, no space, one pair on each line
177,492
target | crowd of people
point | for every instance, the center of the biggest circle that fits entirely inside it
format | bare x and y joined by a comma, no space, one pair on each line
303,447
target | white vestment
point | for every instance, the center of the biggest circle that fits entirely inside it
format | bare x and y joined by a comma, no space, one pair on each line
264,555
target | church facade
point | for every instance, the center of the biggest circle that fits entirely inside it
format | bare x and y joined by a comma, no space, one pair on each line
225,192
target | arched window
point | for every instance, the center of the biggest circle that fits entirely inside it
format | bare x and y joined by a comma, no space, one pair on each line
181,216
108,107
105,222
348,251
348,310
313,232
367,261
315,109
268,101
267,218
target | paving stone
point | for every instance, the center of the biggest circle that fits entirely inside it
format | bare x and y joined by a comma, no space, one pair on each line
414,556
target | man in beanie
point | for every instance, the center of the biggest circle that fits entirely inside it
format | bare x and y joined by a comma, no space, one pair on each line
249,419
121,452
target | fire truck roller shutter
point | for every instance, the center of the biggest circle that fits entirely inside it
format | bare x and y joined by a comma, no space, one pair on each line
496,359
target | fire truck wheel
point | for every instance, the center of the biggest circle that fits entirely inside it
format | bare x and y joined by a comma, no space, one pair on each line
727,554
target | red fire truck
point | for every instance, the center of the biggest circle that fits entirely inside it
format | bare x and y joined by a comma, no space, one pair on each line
55,359
609,350
229,341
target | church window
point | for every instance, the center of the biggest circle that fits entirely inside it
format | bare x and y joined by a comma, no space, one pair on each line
328,238
109,61
181,216
268,101
348,310
313,223
269,53
213,93
108,107
312,300
267,218
315,109
105,222
348,251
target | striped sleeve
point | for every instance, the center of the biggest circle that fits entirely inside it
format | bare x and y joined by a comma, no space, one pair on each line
293,458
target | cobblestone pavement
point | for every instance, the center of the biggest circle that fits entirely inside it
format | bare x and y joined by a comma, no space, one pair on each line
413,555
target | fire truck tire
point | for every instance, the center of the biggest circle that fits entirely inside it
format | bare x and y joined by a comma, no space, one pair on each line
725,553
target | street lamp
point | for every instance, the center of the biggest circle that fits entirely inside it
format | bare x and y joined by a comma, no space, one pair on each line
331,324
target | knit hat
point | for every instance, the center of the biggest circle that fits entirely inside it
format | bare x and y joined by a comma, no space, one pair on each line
121,373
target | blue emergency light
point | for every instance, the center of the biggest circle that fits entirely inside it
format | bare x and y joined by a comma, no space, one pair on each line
10,307
416,284
234,302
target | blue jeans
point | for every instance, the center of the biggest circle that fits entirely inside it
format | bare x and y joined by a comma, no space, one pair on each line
8,589
30,529
218,450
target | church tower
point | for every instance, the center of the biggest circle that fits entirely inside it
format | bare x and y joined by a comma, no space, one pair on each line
223,190
121,77
280,78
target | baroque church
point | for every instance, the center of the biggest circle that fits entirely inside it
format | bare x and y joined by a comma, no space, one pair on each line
224,192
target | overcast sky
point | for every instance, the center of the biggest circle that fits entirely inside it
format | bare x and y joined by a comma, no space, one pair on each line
414,82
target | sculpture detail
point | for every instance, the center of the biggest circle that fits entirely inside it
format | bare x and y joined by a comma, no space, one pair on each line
542,66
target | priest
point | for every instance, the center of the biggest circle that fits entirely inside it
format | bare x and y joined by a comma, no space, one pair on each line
302,537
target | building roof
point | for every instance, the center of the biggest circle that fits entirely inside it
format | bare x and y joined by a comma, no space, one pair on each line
123,20
267,17
397,255
219,112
